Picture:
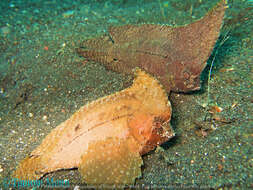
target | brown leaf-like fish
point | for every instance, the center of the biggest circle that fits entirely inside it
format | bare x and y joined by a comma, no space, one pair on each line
106,138
176,56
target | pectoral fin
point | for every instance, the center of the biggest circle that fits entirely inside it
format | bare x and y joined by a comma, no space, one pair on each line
112,161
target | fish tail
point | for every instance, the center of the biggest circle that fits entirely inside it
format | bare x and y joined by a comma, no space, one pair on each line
29,169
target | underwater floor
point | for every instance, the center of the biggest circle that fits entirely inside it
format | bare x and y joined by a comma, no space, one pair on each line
43,82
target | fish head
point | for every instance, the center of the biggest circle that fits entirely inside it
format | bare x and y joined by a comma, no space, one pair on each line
151,131
183,77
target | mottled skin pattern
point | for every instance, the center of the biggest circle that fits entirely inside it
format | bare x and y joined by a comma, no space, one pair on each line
112,131
176,56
